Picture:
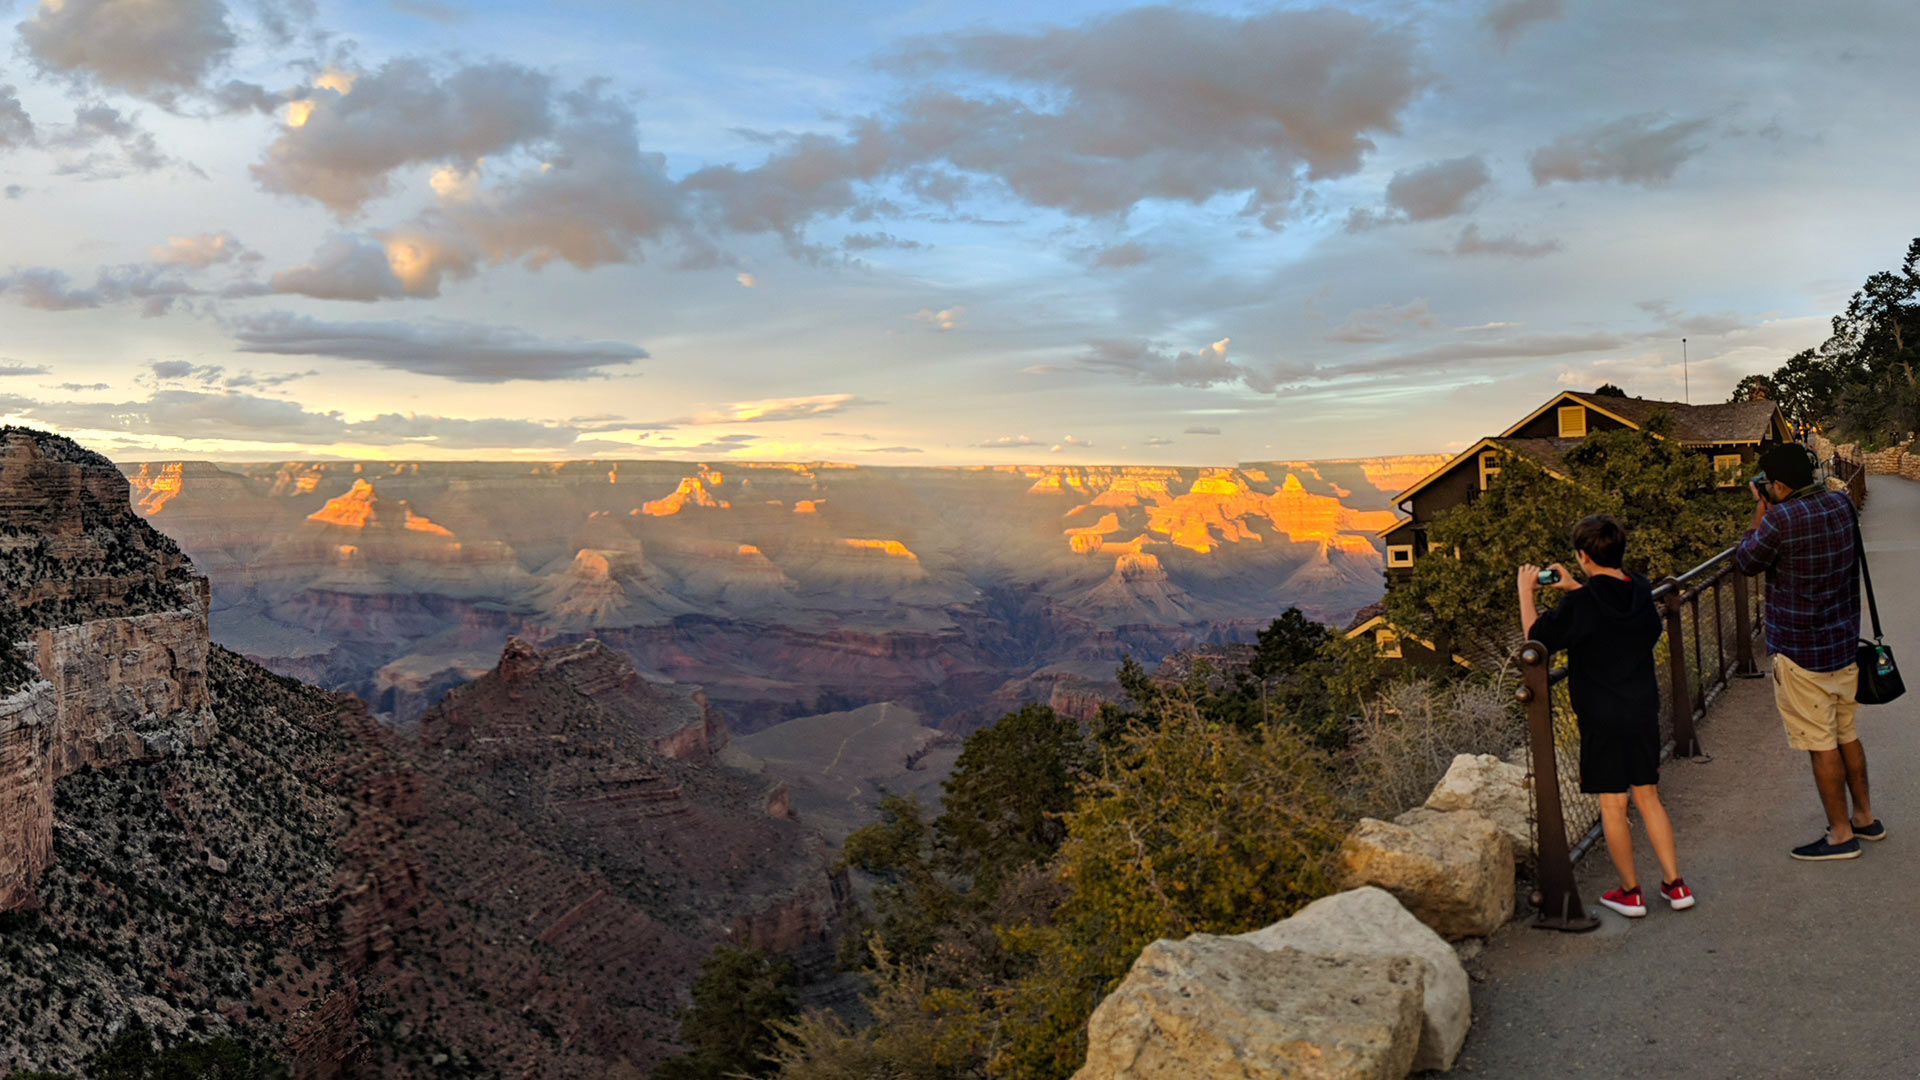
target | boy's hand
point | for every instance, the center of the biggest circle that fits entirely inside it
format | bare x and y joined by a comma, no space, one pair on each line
1529,579
1566,582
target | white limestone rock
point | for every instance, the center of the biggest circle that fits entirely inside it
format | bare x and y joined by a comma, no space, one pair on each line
1501,791
1220,1008
1453,870
1369,922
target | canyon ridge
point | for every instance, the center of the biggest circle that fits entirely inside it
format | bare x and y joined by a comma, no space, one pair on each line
784,590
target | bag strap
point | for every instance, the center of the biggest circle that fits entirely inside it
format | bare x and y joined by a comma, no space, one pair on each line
1860,557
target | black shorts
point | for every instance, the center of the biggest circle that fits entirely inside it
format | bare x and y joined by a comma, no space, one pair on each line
1615,757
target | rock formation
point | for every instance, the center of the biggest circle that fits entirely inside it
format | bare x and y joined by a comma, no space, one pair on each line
1221,1008
786,589
1453,870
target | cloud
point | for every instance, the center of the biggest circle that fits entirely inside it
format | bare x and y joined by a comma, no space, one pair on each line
1530,346
174,370
771,409
463,352
746,279
1148,363
349,133
1157,440
345,268
1644,149
199,251
48,289
1505,19
1153,103
15,367
594,200
16,127
14,191
431,9
194,414
1471,242
1006,441
1202,429
870,241
149,48
1120,255
944,320
1439,190
77,146
1383,322
81,388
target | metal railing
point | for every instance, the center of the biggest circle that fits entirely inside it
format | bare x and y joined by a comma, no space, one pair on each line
1714,615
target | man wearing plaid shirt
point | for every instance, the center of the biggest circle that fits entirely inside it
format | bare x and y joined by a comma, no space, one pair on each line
1803,536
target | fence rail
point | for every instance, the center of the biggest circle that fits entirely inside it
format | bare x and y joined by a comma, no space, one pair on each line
1713,618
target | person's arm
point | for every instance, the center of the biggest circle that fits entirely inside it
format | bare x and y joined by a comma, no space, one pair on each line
1529,585
1759,549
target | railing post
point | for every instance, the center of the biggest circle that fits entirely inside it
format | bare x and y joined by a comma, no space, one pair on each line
1556,897
1743,664
1679,690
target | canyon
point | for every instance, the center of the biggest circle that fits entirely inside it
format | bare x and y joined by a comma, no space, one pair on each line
784,590
524,884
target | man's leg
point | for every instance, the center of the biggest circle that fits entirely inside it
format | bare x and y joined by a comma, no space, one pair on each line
1659,830
1830,776
1854,757
1613,824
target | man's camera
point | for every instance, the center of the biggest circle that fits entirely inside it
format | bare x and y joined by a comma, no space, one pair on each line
1549,576
1762,485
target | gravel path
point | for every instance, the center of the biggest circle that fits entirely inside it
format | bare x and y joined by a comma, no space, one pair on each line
1784,968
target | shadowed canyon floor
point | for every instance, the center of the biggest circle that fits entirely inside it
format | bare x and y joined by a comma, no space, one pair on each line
783,589
1785,968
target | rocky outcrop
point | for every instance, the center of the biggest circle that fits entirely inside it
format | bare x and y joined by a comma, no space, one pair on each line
1216,1008
1370,922
1453,871
109,649
1496,789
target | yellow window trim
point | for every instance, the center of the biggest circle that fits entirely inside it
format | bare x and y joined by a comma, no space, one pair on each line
1573,421
1399,555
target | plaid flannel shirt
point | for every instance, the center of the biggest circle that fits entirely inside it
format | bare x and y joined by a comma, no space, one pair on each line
1813,593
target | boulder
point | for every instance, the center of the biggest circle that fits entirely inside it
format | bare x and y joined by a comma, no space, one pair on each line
1452,870
1501,791
1219,1008
1370,922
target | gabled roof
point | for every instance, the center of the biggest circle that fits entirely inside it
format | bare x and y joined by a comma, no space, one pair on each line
1694,425
1546,452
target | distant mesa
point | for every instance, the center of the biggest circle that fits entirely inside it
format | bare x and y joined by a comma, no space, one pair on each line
693,491
808,506
886,547
361,508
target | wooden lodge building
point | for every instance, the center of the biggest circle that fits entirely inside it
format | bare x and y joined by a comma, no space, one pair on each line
1732,435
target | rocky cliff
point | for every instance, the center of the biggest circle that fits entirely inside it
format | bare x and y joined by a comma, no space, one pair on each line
189,840
114,625
785,589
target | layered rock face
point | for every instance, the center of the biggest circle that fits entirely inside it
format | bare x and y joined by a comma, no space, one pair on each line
785,589
114,625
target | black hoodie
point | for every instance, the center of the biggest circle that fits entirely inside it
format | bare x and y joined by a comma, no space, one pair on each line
1608,628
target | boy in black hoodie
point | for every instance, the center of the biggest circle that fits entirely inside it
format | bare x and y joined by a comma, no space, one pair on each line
1609,628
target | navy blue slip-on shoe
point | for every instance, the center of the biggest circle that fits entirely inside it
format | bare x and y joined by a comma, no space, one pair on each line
1875,831
1821,851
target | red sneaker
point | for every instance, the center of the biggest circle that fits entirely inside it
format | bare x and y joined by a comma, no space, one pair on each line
1627,902
1677,893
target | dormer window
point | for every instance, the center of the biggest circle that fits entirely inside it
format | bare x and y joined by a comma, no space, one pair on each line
1573,422
1489,467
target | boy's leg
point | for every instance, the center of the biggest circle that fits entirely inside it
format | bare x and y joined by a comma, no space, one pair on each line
1613,824
1659,830
1830,777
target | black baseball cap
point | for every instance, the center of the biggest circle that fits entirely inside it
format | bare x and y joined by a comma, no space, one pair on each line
1789,463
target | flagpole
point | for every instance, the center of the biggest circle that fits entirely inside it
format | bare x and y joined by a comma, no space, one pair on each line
1686,380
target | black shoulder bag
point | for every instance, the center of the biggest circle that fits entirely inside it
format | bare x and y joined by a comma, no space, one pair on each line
1880,680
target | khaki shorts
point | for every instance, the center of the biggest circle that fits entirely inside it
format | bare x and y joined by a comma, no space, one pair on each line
1817,706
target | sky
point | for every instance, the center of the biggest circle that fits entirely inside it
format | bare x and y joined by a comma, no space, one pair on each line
926,233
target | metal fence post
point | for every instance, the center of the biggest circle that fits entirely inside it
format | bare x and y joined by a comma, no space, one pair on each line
1679,690
1556,897
1743,664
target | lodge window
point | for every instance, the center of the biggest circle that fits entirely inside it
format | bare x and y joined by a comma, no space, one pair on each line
1573,422
1489,467
1388,643
1727,468
1399,555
